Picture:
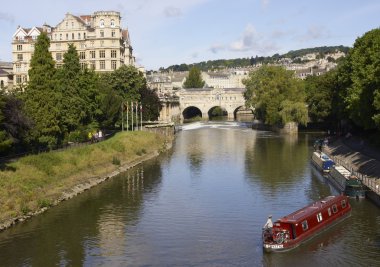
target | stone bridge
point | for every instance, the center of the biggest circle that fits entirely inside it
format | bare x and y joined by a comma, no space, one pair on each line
201,101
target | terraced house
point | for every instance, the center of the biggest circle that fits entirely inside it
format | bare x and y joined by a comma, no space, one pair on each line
101,43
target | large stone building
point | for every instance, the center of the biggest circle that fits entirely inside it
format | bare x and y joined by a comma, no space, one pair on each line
101,43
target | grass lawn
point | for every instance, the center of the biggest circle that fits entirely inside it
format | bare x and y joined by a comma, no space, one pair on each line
36,181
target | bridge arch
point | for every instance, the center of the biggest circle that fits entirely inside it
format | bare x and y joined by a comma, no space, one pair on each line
191,112
217,111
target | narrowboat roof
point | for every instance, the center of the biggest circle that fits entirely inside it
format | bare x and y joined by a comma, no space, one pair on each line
305,212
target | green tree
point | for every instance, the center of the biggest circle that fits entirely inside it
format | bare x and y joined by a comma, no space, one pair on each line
40,97
72,107
362,74
194,80
319,96
122,85
151,105
277,96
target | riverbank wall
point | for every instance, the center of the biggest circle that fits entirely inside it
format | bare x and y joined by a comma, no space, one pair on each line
361,159
86,182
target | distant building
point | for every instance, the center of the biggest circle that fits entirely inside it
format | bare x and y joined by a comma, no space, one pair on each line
6,75
101,43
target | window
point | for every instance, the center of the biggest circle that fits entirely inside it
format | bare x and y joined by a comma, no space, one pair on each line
78,35
102,53
18,78
101,43
82,55
92,64
60,36
329,211
101,33
58,56
58,66
67,24
84,35
72,36
112,23
343,203
304,225
83,65
19,57
55,36
113,64
102,64
113,34
334,208
92,54
113,53
2,84
19,47
18,67
72,24
101,23
319,217
67,36
24,78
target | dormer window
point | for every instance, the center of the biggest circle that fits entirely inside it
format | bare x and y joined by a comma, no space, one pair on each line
112,23
101,24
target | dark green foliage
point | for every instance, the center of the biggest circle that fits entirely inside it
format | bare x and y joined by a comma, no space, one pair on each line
361,73
321,50
194,80
277,96
41,100
151,105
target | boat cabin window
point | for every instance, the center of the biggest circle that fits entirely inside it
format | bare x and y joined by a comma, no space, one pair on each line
319,217
304,225
335,209
343,203
329,211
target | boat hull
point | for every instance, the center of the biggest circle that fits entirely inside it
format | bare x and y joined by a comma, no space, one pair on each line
302,225
292,245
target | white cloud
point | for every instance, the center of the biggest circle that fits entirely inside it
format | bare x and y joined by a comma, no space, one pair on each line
314,33
6,17
172,11
248,40
217,47
265,3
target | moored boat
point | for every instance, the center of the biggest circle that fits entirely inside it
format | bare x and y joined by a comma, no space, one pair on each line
347,183
292,230
322,161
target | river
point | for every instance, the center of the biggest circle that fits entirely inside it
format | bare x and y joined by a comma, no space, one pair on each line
203,203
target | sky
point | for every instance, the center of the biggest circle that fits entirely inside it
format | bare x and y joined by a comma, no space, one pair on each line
169,32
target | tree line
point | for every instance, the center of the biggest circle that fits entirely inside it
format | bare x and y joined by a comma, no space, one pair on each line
61,105
344,99
246,62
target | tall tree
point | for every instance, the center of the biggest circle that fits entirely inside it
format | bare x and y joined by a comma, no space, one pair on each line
150,103
72,107
277,95
194,80
363,71
40,98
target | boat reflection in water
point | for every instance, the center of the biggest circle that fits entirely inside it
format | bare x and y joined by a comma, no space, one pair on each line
292,230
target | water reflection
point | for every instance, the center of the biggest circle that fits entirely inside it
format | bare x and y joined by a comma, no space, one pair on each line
276,161
201,204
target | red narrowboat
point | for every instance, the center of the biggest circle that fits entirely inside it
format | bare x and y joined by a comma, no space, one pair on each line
292,230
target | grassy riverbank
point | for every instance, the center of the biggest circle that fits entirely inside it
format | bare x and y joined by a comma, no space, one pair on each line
37,181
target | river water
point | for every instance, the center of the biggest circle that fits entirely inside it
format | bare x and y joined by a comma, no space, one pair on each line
203,203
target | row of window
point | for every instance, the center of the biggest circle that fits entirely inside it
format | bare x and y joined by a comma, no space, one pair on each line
334,207
82,54
101,24
79,36
92,65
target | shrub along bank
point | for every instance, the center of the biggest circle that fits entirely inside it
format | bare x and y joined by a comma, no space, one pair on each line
36,182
